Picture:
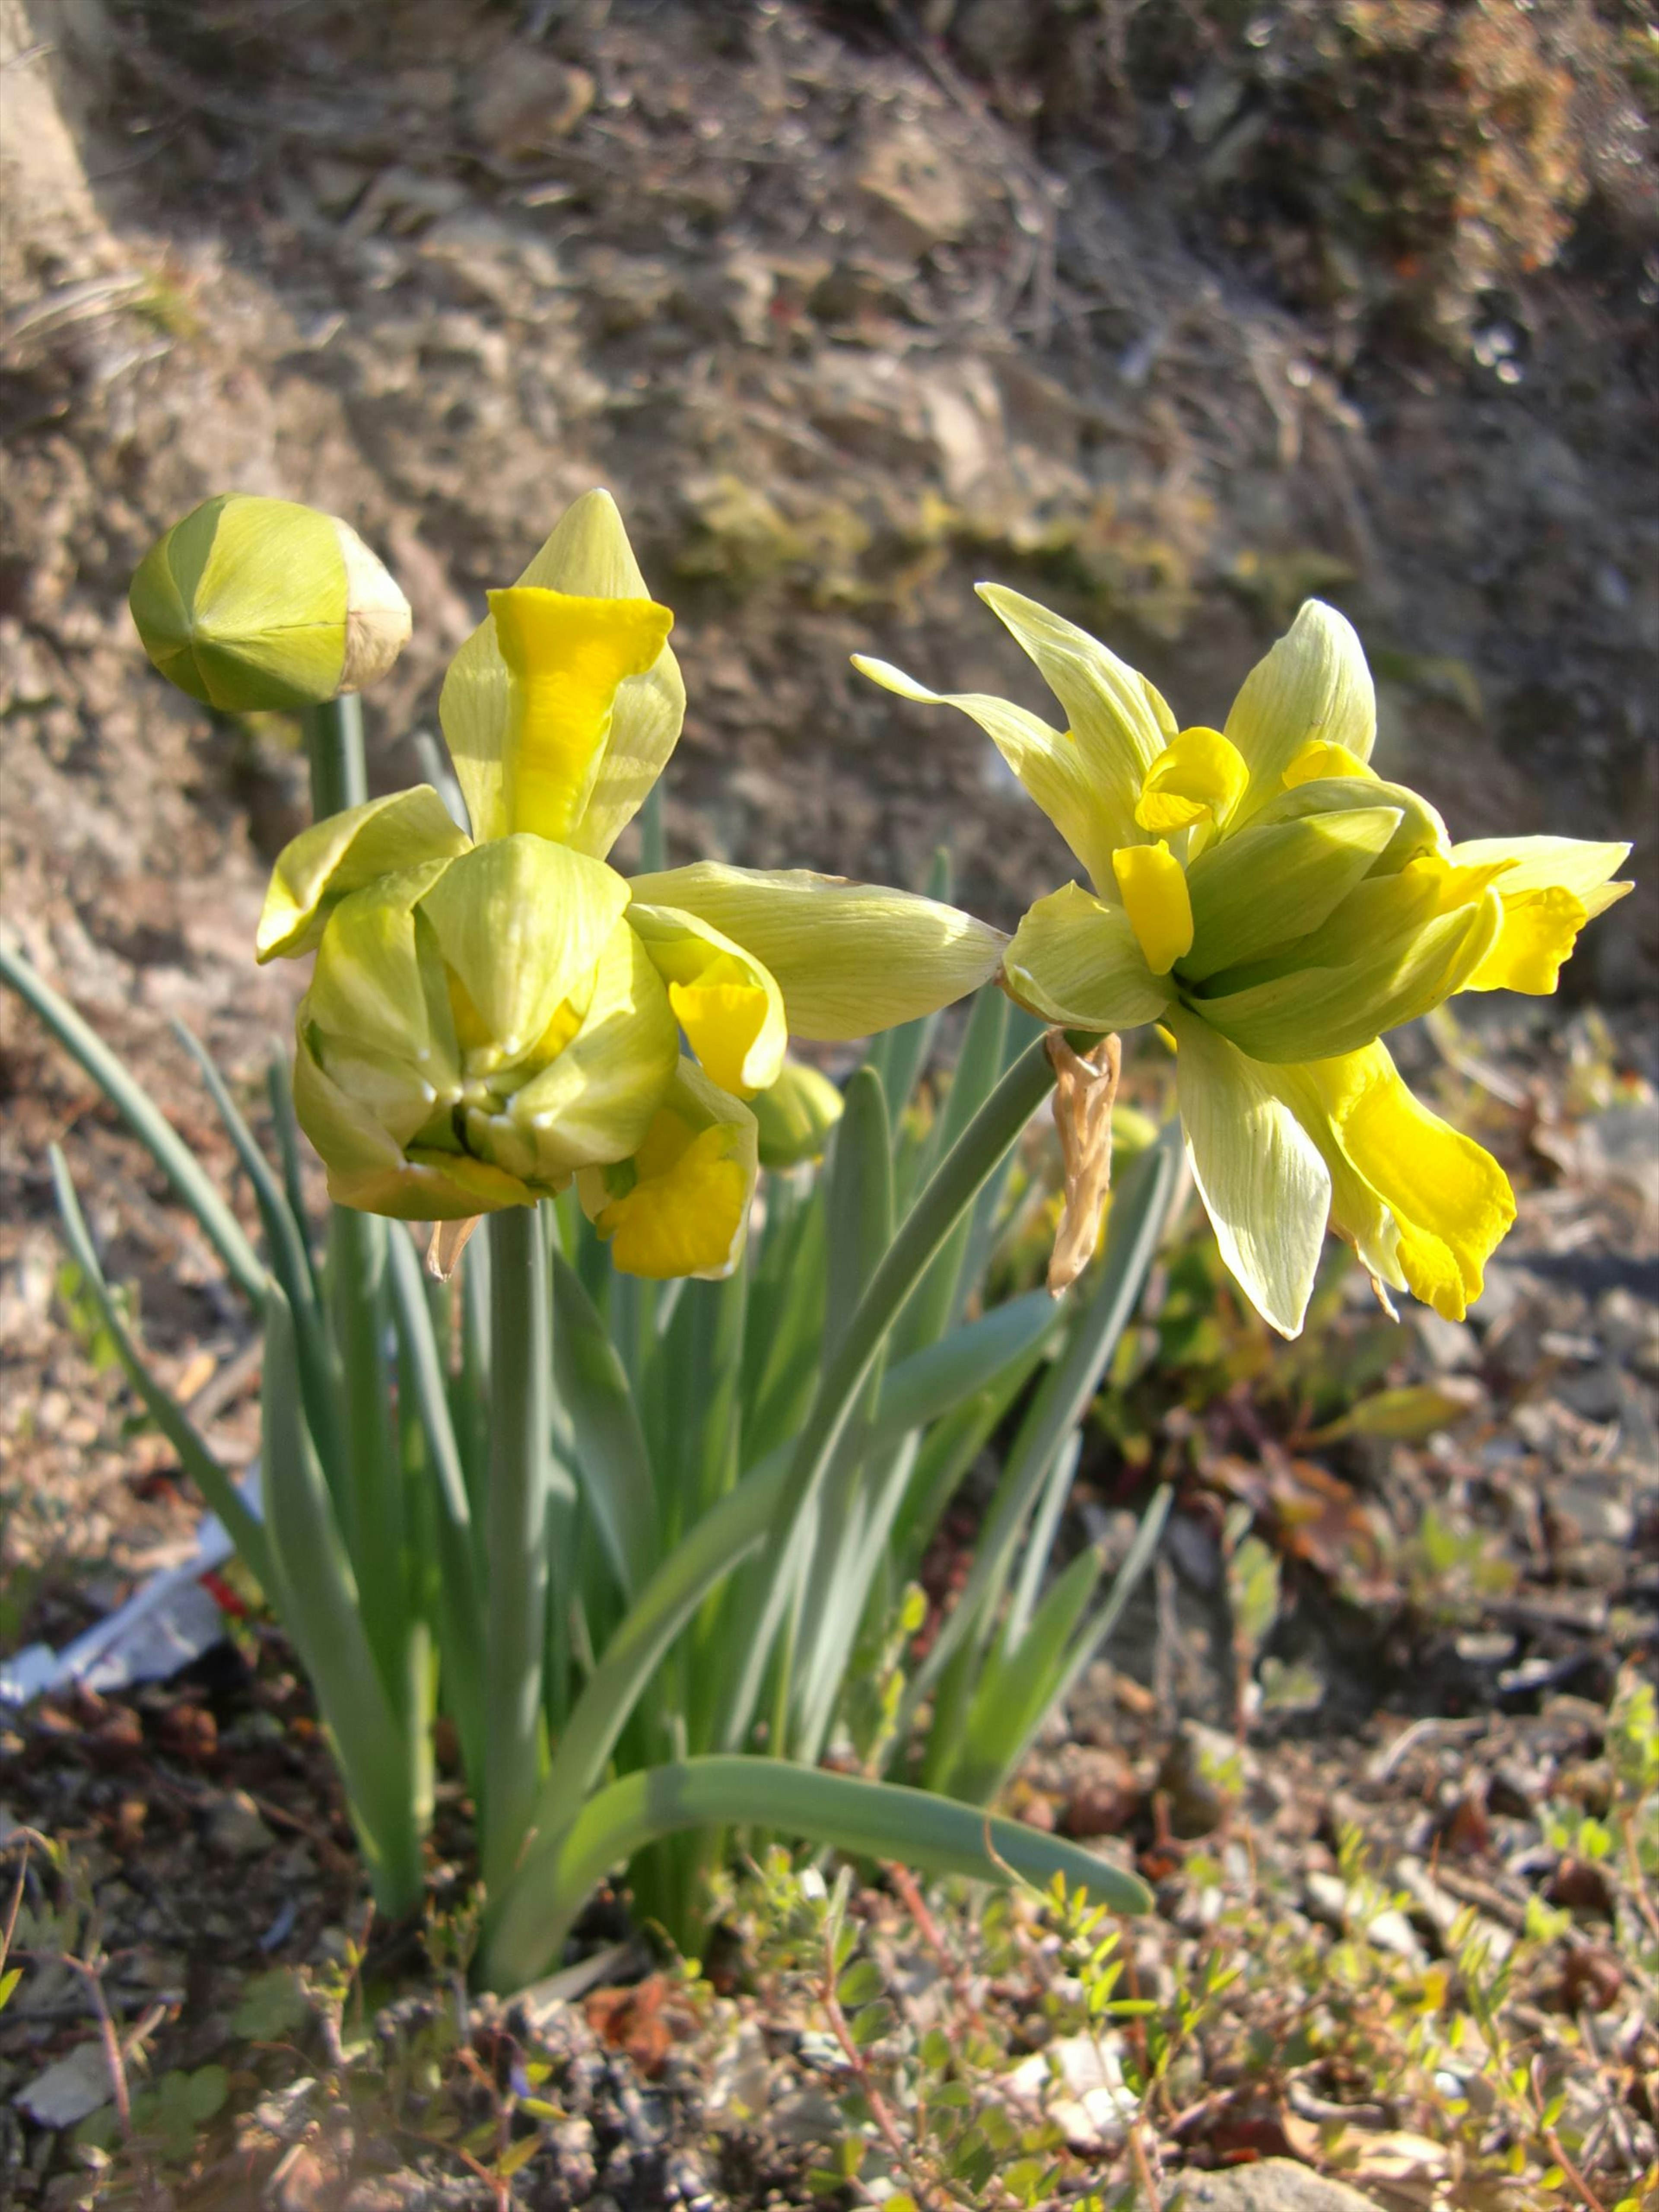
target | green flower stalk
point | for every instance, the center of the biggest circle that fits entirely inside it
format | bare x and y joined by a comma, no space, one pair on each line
1275,907
251,603
494,1016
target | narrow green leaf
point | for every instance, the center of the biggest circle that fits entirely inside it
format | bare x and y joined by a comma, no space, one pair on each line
1136,1227
213,1481
611,1459
317,1593
701,1559
953,1188
932,1380
365,1474
1124,1584
979,1063
125,1093
290,1261
858,1201
870,1819
1039,1542
1017,1686
461,1639
279,1089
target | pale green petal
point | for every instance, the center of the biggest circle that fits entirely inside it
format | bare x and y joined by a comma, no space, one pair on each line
1321,1011
1538,864
849,958
1078,963
589,556
1314,683
521,922
367,1169
1262,1180
728,1005
1421,830
342,854
1120,722
377,984
595,1100
1048,762
1253,892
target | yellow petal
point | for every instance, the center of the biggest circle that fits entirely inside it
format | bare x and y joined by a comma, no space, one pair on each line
1538,932
1450,1199
1153,886
680,1206
1199,776
1321,758
566,657
586,557
723,997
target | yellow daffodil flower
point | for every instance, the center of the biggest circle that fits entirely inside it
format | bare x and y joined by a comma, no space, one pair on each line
1276,905
493,1014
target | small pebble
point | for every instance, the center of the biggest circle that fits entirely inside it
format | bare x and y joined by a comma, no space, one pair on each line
235,1829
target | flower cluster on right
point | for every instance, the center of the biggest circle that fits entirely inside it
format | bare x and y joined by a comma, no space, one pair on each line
1275,907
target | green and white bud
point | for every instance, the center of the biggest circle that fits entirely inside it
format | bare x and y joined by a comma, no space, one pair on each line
251,603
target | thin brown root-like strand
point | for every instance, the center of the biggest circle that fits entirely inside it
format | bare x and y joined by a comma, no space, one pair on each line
1085,1090
443,1253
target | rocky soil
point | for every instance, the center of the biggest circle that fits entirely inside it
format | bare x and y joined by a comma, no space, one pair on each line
1160,319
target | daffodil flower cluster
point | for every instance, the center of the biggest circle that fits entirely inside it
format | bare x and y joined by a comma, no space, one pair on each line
1274,906
492,1015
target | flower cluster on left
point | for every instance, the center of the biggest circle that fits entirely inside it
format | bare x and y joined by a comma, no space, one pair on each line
493,1014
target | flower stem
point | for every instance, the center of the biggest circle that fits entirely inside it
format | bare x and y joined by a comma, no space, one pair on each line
334,744
515,1550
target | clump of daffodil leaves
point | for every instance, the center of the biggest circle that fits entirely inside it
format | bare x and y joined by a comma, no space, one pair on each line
492,1015
1275,907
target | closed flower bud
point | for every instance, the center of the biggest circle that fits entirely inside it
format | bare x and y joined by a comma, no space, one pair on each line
252,604
796,1115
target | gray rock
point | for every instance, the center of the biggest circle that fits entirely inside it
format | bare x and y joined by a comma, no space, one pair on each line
69,2089
235,1831
1273,2184
523,100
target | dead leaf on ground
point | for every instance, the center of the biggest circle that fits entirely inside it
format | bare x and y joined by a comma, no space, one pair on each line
1314,1516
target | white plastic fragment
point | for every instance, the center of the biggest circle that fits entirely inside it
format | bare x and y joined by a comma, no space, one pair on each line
171,1620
